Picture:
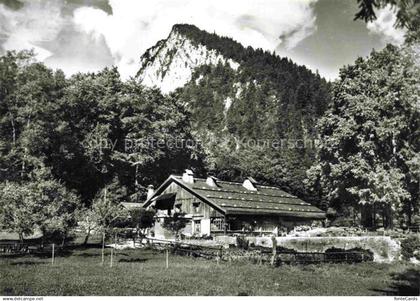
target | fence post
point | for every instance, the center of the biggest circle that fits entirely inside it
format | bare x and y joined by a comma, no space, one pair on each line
115,243
52,256
103,248
219,255
112,251
274,243
167,258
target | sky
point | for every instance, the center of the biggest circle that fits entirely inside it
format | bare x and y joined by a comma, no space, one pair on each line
88,35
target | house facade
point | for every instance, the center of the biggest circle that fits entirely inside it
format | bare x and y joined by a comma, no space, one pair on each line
215,207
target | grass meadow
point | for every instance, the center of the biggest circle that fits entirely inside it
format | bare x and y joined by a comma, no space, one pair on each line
78,271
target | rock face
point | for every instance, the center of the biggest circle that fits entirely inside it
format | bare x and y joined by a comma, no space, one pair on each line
170,63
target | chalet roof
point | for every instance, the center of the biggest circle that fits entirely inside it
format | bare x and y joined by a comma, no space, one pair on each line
231,198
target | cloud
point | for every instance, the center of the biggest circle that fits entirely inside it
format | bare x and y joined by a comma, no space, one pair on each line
75,51
135,26
384,26
87,35
30,26
47,26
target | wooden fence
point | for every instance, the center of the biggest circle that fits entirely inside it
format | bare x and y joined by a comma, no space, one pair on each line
18,248
261,255
275,256
13,247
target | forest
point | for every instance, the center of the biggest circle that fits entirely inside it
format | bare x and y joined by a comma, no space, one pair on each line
74,147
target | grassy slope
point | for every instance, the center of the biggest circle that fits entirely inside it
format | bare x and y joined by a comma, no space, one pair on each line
143,272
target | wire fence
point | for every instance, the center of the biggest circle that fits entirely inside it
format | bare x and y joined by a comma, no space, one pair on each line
276,256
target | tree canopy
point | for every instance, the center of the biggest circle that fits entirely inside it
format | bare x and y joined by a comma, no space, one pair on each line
407,11
64,141
369,138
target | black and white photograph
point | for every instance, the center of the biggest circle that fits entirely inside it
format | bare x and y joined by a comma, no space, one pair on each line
248,148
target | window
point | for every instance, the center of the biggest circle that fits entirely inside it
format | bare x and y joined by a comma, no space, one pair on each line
218,224
196,207
197,227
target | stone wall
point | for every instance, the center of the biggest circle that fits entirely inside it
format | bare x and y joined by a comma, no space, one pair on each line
384,248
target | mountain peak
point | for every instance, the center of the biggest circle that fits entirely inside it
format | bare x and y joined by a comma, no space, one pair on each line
171,62
182,28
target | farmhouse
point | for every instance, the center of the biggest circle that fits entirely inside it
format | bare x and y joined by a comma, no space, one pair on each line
215,207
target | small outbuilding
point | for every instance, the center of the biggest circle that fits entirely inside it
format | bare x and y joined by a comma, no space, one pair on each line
215,207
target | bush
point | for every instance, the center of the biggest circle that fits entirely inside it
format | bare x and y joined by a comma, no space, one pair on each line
242,243
175,223
331,213
410,247
343,222
352,255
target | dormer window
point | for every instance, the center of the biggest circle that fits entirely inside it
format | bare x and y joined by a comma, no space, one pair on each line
211,181
188,176
250,184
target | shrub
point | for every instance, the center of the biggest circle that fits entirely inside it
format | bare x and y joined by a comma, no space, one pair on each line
175,223
410,247
353,255
331,213
343,222
242,243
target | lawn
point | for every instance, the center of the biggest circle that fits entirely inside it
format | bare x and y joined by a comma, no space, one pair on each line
143,272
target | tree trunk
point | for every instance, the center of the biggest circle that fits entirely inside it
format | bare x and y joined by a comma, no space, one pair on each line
136,182
42,238
354,216
374,224
86,238
21,237
409,215
103,247
140,235
13,130
367,216
389,217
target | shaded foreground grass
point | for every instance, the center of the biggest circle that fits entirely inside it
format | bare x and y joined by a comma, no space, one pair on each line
143,272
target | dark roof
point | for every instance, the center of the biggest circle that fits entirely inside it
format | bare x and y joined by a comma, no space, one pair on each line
232,198
165,201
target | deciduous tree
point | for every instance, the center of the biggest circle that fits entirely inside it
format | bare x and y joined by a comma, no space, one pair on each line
175,223
369,150
17,209
141,220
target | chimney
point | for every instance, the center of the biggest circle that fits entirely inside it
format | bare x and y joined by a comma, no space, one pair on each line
188,176
250,184
150,191
211,181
